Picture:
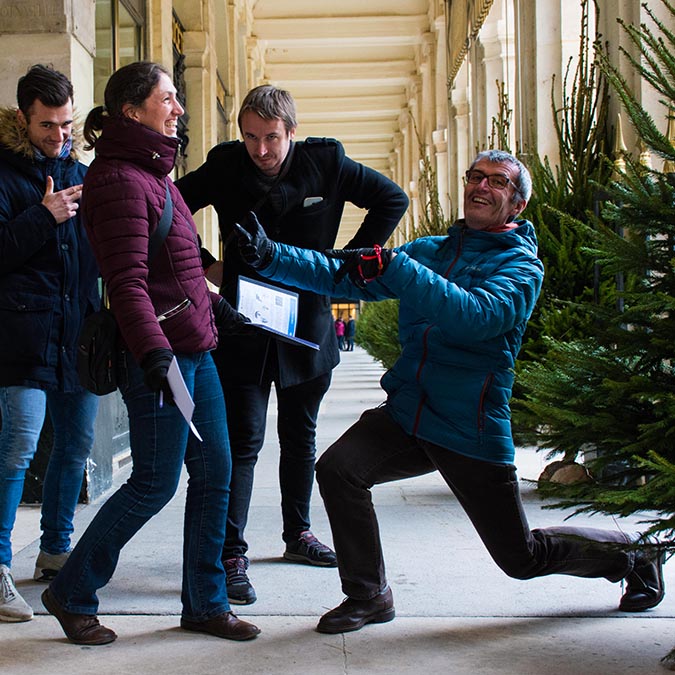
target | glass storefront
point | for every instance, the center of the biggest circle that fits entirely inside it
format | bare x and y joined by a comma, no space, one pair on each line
119,39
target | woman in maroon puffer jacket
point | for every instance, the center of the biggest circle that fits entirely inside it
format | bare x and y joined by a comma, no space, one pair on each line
164,311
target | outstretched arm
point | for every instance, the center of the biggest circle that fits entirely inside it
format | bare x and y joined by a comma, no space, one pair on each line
302,268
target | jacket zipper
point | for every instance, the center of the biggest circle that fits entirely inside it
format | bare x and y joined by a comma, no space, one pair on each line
481,402
174,311
418,375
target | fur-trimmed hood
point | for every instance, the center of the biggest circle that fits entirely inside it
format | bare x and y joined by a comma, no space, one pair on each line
15,139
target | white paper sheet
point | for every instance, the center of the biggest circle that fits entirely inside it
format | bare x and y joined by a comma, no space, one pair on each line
181,395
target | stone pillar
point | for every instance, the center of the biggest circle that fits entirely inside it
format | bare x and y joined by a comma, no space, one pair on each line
460,140
396,172
556,24
441,95
632,12
496,38
440,146
56,32
159,31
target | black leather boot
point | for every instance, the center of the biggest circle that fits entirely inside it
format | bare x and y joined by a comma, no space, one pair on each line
354,614
644,585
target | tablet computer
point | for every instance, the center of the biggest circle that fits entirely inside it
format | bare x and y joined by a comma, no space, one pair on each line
272,309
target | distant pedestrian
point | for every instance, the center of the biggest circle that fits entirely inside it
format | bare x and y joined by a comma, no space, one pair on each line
340,333
350,332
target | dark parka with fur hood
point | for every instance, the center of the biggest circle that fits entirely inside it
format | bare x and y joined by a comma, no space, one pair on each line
48,275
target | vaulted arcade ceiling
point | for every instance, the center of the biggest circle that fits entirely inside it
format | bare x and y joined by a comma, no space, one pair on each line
348,63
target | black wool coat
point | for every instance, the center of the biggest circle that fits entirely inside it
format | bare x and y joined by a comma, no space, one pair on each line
304,208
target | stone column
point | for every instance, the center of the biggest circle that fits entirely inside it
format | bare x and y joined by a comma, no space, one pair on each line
56,32
440,145
460,139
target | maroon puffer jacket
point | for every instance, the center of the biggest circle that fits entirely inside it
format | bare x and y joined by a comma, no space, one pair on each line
122,201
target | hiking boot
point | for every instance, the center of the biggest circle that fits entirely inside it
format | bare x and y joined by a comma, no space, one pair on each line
47,565
240,591
644,585
12,606
308,549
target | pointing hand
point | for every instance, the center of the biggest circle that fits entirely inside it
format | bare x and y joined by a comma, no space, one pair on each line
62,204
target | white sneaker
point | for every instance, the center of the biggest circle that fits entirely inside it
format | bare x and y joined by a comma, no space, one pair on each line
12,606
48,565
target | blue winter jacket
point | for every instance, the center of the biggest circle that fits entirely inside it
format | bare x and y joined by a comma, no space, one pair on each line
48,275
464,304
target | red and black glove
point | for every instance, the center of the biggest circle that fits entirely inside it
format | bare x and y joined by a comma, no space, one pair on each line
361,264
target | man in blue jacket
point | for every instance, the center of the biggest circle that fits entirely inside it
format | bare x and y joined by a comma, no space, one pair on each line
465,300
299,189
48,283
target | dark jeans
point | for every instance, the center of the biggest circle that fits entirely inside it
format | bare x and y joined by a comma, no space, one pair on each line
298,409
161,444
376,450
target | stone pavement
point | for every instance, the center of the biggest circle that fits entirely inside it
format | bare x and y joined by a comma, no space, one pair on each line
457,613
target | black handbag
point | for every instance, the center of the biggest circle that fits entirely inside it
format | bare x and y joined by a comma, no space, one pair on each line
98,344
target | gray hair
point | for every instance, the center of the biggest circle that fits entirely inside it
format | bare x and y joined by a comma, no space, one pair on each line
523,182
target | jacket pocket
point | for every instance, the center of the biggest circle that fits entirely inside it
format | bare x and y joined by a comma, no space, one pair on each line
26,328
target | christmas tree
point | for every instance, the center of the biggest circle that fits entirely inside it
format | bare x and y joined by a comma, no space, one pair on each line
609,398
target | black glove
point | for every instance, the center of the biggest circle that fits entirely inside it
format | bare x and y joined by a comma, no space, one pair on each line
361,264
231,322
254,246
155,365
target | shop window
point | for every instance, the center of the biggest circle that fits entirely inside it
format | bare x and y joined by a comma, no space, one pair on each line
343,309
120,39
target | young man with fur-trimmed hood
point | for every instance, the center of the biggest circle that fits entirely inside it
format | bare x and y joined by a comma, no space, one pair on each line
48,284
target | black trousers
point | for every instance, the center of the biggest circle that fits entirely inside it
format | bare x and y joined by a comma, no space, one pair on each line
298,409
376,450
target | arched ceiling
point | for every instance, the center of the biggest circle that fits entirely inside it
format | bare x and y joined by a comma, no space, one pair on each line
348,64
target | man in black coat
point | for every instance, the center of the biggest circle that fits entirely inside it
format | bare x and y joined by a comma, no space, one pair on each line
298,190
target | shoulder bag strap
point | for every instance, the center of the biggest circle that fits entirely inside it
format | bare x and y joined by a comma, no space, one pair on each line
156,239
162,229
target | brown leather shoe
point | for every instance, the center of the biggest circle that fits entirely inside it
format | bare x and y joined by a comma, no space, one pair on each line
225,625
82,629
354,614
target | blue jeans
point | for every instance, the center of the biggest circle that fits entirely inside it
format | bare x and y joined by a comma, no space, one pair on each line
376,450
298,409
160,444
23,414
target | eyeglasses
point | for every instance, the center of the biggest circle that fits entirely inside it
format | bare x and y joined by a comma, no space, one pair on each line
495,180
